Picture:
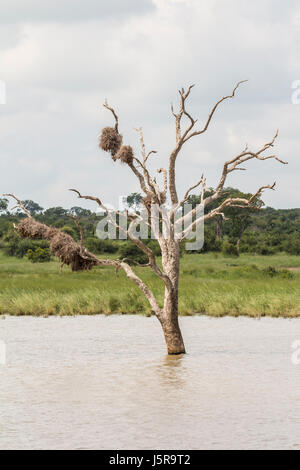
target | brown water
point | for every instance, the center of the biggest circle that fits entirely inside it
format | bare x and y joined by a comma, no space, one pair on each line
106,383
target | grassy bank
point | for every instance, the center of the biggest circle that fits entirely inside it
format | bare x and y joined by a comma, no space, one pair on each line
210,284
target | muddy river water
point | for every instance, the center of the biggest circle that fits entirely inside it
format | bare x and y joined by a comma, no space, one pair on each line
106,383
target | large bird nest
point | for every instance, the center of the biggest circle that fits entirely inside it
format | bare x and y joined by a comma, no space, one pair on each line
110,140
62,245
150,199
125,154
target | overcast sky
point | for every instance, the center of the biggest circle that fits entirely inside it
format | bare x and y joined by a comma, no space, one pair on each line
61,58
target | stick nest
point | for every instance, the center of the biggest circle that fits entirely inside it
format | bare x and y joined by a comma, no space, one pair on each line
125,154
110,140
62,245
150,199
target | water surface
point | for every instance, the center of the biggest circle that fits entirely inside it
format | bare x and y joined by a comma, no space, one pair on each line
106,383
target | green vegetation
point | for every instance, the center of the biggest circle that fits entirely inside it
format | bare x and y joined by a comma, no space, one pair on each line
210,284
249,265
265,232
39,255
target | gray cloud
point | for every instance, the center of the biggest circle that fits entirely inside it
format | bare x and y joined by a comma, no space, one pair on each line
58,74
14,11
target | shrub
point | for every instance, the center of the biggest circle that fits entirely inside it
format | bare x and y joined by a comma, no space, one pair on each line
97,246
292,247
229,249
271,271
154,246
245,248
18,247
130,251
39,255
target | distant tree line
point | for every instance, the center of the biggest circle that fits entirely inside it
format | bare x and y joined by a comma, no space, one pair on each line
264,231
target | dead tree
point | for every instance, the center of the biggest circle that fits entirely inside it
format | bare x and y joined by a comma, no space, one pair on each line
71,253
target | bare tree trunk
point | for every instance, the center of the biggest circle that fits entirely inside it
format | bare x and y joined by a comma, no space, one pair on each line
243,228
170,325
219,227
169,319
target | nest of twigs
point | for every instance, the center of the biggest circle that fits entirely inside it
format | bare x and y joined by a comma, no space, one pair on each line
148,200
110,140
125,154
62,245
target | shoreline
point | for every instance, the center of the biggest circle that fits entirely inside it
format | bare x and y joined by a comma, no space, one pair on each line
145,315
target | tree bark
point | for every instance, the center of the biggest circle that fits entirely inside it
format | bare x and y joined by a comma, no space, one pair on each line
169,320
171,329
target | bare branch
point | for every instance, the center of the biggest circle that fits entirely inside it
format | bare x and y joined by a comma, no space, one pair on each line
183,97
248,155
142,286
19,204
139,176
114,115
105,209
150,153
186,196
165,173
234,165
102,206
173,211
91,198
214,110
142,142
150,254
136,263
147,177
242,203
260,191
182,139
138,242
73,217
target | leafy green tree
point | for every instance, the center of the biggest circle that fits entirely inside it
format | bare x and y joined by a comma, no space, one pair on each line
132,253
100,246
33,207
3,205
236,219
69,230
134,201
80,212
55,213
293,246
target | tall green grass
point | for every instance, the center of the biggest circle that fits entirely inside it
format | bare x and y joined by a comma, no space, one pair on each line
210,284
